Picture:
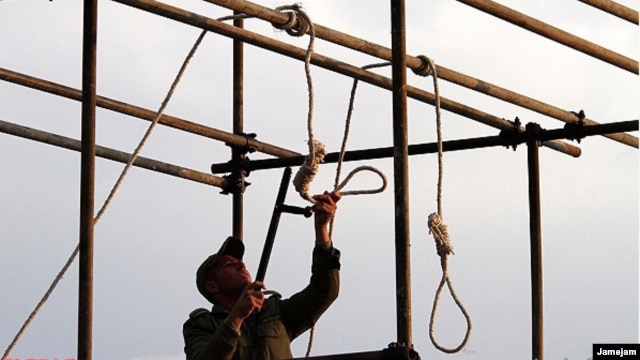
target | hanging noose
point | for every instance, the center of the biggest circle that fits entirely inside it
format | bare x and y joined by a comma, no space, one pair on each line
438,229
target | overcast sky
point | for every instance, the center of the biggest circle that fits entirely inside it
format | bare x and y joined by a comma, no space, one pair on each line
159,228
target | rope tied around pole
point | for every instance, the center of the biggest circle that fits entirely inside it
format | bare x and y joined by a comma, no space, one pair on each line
425,69
317,150
298,23
437,227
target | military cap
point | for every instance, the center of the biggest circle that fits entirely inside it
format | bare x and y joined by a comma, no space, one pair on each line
231,246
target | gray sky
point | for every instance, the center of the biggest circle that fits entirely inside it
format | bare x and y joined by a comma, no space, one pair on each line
159,228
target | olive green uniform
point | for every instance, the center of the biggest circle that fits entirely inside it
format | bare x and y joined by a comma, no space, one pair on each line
266,335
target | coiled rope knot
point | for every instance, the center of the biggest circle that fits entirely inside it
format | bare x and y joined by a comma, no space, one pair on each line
308,170
298,23
426,68
438,229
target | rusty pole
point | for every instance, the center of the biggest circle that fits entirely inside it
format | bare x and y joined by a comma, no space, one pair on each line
367,47
550,32
327,63
353,71
111,154
87,179
615,9
537,329
145,114
401,173
238,154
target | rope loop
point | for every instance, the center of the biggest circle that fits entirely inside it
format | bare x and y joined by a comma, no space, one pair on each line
426,68
467,335
366,191
298,23
443,246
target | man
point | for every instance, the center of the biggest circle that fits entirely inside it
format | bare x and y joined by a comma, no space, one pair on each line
243,324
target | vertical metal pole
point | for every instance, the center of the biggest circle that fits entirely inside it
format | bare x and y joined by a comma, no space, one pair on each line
401,173
537,336
87,179
238,126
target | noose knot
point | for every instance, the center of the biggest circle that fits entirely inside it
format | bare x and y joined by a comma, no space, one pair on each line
308,170
438,229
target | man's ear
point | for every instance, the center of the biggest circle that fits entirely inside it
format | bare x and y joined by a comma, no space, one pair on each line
211,286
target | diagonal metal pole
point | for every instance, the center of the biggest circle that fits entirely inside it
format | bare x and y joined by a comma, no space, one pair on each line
551,32
413,62
340,67
615,9
87,180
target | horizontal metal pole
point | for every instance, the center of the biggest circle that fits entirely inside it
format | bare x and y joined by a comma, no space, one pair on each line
145,114
415,63
111,154
615,9
328,63
451,145
553,33
578,132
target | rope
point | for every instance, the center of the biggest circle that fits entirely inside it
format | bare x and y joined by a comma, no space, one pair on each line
437,227
317,151
114,189
347,126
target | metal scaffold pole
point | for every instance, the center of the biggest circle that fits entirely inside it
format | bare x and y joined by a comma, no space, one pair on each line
87,180
401,173
537,329
237,154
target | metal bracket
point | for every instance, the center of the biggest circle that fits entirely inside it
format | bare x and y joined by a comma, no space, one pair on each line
576,127
512,136
239,164
400,351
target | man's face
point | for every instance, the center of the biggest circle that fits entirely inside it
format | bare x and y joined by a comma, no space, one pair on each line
230,275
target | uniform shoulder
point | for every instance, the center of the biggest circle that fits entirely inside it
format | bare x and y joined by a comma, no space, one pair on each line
198,312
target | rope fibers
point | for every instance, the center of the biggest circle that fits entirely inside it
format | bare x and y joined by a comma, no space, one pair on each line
438,229
317,150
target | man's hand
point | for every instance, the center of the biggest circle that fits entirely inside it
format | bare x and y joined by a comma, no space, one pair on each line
250,301
324,210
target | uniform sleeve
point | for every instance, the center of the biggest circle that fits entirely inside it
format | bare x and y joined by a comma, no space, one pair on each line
304,308
206,338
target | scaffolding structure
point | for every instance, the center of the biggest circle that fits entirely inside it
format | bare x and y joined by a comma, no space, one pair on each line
512,135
